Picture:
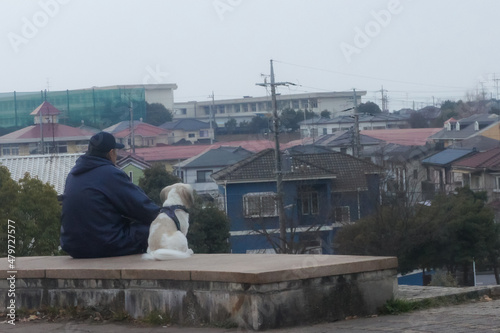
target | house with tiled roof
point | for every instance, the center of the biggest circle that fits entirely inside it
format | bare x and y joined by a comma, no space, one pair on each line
480,172
487,125
197,170
189,130
440,177
172,154
404,137
320,192
339,141
133,166
321,126
145,135
404,172
45,136
52,169
479,142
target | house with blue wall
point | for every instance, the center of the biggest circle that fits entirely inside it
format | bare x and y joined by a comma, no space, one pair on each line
321,192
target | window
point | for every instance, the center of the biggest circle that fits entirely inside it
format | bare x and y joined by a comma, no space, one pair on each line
191,135
415,174
295,105
325,131
342,214
497,184
260,204
309,203
10,150
131,176
475,182
203,176
204,134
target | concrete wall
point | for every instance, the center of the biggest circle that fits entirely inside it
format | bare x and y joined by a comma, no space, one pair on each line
249,306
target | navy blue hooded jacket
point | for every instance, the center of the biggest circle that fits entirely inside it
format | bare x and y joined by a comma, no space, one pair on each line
99,203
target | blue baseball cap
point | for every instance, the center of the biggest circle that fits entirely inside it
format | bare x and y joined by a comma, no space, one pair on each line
103,142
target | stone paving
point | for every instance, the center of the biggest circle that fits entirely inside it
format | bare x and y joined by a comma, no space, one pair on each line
478,315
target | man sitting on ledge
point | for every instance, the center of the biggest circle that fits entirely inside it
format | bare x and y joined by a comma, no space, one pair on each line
103,213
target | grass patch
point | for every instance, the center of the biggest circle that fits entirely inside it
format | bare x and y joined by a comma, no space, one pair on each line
157,318
398,306
226,324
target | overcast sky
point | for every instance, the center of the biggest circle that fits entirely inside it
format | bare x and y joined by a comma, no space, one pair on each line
420,51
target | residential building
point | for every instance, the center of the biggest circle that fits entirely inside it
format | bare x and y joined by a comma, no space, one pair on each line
133,166
404,172
45,136
480,172
197,170
440,178
320,192
321,126
145,135
51,169
479,142
404,137
54,168
173,154
188,131
97,106
339,141
244,109
487,125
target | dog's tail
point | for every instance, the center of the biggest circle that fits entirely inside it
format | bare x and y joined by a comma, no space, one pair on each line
166,254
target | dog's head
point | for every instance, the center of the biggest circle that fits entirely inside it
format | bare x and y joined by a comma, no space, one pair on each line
184,191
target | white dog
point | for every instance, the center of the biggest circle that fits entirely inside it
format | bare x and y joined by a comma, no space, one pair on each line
167,233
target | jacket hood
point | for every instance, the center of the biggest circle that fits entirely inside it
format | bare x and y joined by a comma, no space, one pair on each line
86,163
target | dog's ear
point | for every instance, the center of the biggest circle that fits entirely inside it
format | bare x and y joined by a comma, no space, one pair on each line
187,195
164,193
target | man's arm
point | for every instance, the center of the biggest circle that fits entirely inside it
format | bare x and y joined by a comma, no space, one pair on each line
131,200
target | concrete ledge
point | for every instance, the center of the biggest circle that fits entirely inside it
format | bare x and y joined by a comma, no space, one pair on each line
256,291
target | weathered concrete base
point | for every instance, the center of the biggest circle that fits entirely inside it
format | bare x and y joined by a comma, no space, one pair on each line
239,289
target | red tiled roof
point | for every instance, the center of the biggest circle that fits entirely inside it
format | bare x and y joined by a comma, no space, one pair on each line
49,130
175,153
46,109
404,137
486,160
142,129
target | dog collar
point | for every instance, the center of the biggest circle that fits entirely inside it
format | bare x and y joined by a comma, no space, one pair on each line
170,211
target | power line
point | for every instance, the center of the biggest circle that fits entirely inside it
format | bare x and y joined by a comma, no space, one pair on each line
368,77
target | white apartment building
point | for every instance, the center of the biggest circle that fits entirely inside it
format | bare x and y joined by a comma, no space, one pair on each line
244,109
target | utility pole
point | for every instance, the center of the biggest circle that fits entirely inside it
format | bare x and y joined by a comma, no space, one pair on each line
212,134
384,99
496,83
357,144
42,144
278,164
132,135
